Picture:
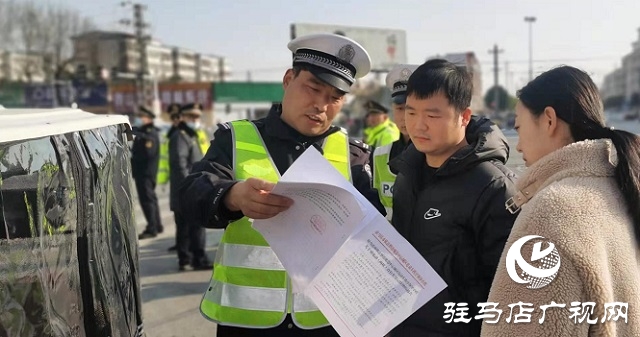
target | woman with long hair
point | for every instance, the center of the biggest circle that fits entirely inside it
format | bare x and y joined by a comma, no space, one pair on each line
571,264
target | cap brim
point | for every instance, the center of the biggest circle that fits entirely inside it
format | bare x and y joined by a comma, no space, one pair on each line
144,114
400,99
331,79
192,113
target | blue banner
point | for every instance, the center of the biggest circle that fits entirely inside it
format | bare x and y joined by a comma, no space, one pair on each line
43,95
91,94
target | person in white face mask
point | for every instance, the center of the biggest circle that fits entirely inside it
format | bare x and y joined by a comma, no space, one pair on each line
145,157
184,151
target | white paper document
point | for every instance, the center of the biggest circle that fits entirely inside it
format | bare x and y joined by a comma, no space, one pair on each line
343,254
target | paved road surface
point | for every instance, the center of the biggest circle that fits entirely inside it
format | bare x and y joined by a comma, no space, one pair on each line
171,298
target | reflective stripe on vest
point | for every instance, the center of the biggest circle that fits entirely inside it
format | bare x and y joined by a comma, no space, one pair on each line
249,286
163,163
383,178
203,141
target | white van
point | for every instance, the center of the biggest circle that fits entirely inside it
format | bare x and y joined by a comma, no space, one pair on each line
68,242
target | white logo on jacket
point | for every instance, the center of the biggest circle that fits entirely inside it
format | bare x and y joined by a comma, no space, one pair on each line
432,213
547,263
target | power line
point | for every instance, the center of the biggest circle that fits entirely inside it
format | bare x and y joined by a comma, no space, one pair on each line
560,60
263,70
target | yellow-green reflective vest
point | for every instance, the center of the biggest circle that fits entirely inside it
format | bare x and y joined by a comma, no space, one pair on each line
203,141
382,134
249,287
163,163
383,178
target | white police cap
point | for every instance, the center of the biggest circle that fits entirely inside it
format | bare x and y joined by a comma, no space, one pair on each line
334,59
397,81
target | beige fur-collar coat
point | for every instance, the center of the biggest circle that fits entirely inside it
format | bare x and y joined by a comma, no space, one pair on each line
570,198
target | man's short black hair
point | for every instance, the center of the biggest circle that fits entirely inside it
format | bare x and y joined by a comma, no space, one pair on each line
438,75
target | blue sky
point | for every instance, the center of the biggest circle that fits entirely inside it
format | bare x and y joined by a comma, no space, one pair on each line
592,35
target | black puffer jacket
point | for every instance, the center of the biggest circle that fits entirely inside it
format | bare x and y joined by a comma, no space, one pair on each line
457,220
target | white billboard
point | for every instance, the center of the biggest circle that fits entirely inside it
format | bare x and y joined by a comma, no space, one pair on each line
386,47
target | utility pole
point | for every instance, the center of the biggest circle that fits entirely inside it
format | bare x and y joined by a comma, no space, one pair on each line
506,75
530,20
145,96
144,88
220,68
496,70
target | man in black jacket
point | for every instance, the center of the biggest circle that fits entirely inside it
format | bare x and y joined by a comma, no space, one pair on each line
145,155
223,189
174,113
449,196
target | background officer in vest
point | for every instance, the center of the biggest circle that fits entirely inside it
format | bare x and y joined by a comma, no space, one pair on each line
383,177
174,113
184,151
145,155
201,133
249,294
380,129
163,171
163,167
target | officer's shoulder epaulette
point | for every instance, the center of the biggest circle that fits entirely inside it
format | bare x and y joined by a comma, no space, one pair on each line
224,126
223,130
360,144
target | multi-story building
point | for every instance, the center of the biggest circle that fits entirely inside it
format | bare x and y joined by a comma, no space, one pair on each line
105,49
22,67
160,60
624,82
118,51
614,85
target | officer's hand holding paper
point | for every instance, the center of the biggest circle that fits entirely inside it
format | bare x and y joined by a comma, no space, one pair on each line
343,254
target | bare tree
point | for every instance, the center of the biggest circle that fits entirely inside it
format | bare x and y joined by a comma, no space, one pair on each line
66,24
30,25
7,23
44,30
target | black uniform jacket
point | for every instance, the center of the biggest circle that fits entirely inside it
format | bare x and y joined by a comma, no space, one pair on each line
203,190
145,153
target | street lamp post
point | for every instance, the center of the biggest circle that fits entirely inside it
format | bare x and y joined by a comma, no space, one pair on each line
530,20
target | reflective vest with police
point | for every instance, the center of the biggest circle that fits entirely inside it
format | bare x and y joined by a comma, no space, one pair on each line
203,141
163,163
383,178
249,287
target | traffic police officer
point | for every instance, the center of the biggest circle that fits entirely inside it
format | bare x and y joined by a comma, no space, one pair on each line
174,113
383,178
145,155
380,129
184,151
201,133
163,167
249,293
